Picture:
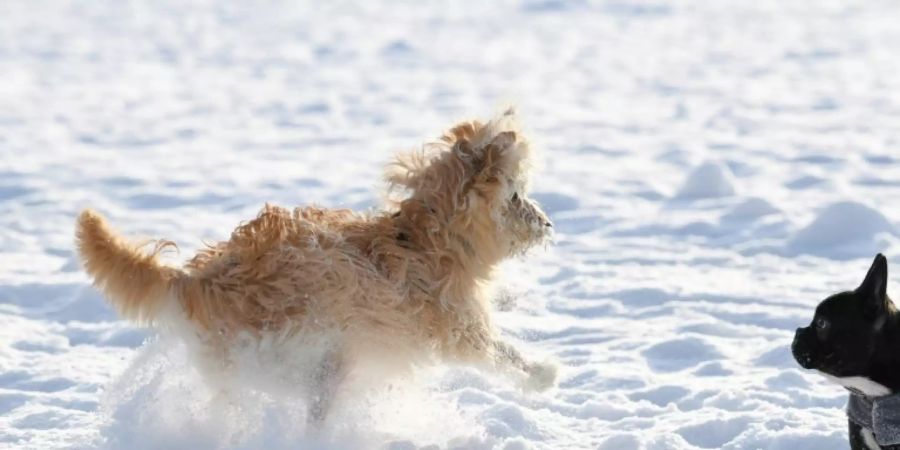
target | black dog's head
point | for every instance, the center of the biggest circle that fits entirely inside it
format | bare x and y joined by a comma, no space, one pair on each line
842,339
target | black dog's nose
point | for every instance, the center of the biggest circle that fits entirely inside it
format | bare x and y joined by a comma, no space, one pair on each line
797,338
801,352
548,224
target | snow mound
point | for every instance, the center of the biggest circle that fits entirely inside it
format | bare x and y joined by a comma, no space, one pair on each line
752,208
708,180
680,354
842,230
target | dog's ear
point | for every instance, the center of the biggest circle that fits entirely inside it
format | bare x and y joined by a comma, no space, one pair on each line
442,164
468,154
496,156
499,147
873,290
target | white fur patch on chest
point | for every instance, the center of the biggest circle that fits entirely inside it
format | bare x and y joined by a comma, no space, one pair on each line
869,439
862,385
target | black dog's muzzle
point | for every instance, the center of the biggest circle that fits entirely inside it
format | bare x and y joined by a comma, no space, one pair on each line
803,348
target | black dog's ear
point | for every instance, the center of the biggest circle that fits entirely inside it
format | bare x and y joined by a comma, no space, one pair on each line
873,290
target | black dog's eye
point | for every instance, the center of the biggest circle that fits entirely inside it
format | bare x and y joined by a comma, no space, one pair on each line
515,196
822,324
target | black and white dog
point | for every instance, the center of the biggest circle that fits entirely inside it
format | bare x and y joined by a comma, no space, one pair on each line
854,340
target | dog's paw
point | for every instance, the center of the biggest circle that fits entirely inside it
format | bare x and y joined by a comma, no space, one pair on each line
541,376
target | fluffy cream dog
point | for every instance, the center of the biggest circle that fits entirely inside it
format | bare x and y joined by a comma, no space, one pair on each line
413,279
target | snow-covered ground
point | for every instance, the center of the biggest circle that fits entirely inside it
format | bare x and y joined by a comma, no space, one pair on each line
713,169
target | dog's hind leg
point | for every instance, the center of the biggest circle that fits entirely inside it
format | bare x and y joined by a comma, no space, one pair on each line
539,376
325,381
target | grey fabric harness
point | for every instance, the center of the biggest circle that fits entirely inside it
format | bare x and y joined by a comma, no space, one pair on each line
881,415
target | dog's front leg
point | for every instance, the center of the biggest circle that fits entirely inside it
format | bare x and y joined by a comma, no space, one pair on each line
856,439
538,376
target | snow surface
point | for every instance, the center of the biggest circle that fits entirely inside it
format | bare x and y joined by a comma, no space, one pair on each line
713,169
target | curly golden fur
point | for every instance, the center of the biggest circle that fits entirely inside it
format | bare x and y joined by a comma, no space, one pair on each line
413,277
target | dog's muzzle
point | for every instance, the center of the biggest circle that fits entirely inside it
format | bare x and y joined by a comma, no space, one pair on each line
802,348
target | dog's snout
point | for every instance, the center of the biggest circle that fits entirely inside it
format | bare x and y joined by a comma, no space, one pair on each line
548,224
798,338
801,350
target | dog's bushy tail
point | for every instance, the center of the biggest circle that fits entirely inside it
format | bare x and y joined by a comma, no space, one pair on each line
132,280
